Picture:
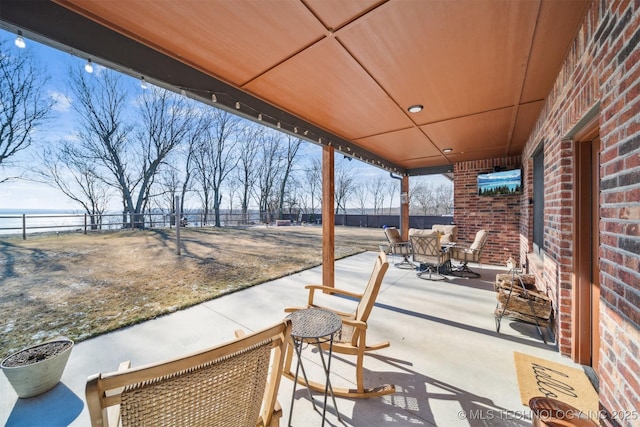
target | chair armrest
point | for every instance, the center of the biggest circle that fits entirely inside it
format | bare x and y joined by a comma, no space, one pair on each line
327,289
460,247
330,290
354,323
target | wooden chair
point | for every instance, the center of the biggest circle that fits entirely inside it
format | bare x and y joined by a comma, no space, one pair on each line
427,251
468,254
351,339
234,384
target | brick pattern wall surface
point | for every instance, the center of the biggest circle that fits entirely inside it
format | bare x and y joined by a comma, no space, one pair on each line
601,71
499,215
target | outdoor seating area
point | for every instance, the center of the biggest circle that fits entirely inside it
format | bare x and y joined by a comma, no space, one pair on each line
530,111
432,251
438,359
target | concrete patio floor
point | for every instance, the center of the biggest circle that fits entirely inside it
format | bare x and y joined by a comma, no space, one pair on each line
448,364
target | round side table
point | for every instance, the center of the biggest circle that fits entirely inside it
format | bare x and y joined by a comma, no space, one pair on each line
314,326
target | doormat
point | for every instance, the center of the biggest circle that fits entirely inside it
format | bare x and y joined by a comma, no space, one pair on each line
540,377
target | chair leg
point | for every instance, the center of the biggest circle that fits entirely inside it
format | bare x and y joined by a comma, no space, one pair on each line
463,270
432,270
406,263
359,369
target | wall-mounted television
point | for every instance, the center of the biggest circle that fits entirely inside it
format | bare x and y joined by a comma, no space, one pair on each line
503,183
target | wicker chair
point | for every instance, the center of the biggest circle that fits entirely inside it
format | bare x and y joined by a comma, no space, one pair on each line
352,338
468,254
400,247
427,252
234,384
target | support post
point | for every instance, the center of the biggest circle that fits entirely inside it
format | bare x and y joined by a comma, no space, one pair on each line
328,217
404,207
178,210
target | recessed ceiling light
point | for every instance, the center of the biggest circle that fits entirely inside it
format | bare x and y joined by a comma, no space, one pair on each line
447,150
415,108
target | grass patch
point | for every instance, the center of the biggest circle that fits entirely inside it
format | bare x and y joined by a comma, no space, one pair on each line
81,286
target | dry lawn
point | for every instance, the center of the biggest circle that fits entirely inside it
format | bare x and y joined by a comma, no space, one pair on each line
80,285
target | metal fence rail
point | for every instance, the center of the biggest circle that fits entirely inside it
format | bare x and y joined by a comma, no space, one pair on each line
85,223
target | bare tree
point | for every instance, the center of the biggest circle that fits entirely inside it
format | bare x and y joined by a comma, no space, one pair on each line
393,190
176,177
292,147
247,164
233,187
378,191
103,133
362,196
166,119
313,181
67,170
444,199
430,199
194,137
215,158
23,104
168,185
424,199
344,186
268,171
130,165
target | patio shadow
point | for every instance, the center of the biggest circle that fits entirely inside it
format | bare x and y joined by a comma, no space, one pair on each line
471,328
56,408
419,396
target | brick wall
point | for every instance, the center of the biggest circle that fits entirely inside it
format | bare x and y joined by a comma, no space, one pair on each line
602,73
499,215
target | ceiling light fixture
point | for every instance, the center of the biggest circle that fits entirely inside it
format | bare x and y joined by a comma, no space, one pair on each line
20,44
237,105
214,98
447,150
259,117
143,83
415,108
88,67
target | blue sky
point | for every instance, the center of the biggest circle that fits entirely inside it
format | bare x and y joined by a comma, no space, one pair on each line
22,194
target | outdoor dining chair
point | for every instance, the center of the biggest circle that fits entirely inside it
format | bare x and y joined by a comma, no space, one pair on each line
399,247
428,253
466,254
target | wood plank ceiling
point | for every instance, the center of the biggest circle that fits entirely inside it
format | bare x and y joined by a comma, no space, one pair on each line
481,69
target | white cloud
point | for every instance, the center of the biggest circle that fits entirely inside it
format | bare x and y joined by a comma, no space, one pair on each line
62,102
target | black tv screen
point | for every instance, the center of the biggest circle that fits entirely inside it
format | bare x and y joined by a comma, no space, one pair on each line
500,183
